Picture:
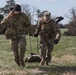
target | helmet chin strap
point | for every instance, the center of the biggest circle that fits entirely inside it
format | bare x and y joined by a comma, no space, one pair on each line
47,19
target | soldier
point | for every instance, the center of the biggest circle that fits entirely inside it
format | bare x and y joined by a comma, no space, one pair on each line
50,35
16,23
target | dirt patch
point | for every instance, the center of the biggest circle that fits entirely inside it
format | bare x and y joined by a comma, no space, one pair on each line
36,71
70,73
51,70
22,72
13,72
69,58
65,58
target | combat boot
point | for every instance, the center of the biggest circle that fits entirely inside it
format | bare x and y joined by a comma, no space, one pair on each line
42,62
17,62
22,63
48,59
47,63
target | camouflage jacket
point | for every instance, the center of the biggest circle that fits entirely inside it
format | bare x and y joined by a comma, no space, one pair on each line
48,30
16,24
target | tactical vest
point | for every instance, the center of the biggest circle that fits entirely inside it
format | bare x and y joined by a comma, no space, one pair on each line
47,30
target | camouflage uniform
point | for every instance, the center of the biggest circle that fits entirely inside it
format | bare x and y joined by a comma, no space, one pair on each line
16,26
48,31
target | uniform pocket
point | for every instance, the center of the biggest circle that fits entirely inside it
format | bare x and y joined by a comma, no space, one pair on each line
10,33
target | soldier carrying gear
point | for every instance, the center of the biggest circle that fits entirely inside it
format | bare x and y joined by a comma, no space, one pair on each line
16,23
47,16
50,34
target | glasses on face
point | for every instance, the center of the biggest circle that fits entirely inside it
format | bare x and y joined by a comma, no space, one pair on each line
47,15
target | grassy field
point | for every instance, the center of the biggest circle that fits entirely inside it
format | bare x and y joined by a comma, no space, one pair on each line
63,60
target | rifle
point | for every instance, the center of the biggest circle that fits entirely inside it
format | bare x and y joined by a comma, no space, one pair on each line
59,19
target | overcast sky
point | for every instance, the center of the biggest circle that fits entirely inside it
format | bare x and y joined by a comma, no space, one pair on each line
56,7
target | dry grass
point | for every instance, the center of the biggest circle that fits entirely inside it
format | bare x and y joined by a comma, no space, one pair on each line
63,61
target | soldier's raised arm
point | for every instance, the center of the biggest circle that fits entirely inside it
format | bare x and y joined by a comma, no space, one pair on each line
3,23
58,33
27,23
38,28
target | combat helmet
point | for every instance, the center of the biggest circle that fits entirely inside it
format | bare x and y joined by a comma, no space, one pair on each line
47,13
17,7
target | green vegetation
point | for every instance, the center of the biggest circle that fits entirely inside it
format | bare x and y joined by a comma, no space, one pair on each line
63,61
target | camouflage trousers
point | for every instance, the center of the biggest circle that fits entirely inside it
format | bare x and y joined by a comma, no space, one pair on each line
19,48
46,49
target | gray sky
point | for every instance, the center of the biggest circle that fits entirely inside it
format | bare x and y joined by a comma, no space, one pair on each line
56,7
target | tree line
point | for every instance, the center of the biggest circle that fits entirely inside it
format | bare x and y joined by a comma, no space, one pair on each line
32,11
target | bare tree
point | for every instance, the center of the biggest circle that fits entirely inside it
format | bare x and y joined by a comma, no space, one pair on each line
6,8
26,9
72,23
29,10
73,14
33,14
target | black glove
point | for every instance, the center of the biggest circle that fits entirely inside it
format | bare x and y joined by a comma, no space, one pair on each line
30,34
56,41
36,35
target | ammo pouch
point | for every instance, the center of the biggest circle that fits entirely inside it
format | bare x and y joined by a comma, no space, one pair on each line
44,35
10,33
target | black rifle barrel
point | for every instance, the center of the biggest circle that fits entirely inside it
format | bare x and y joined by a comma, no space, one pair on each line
59,19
